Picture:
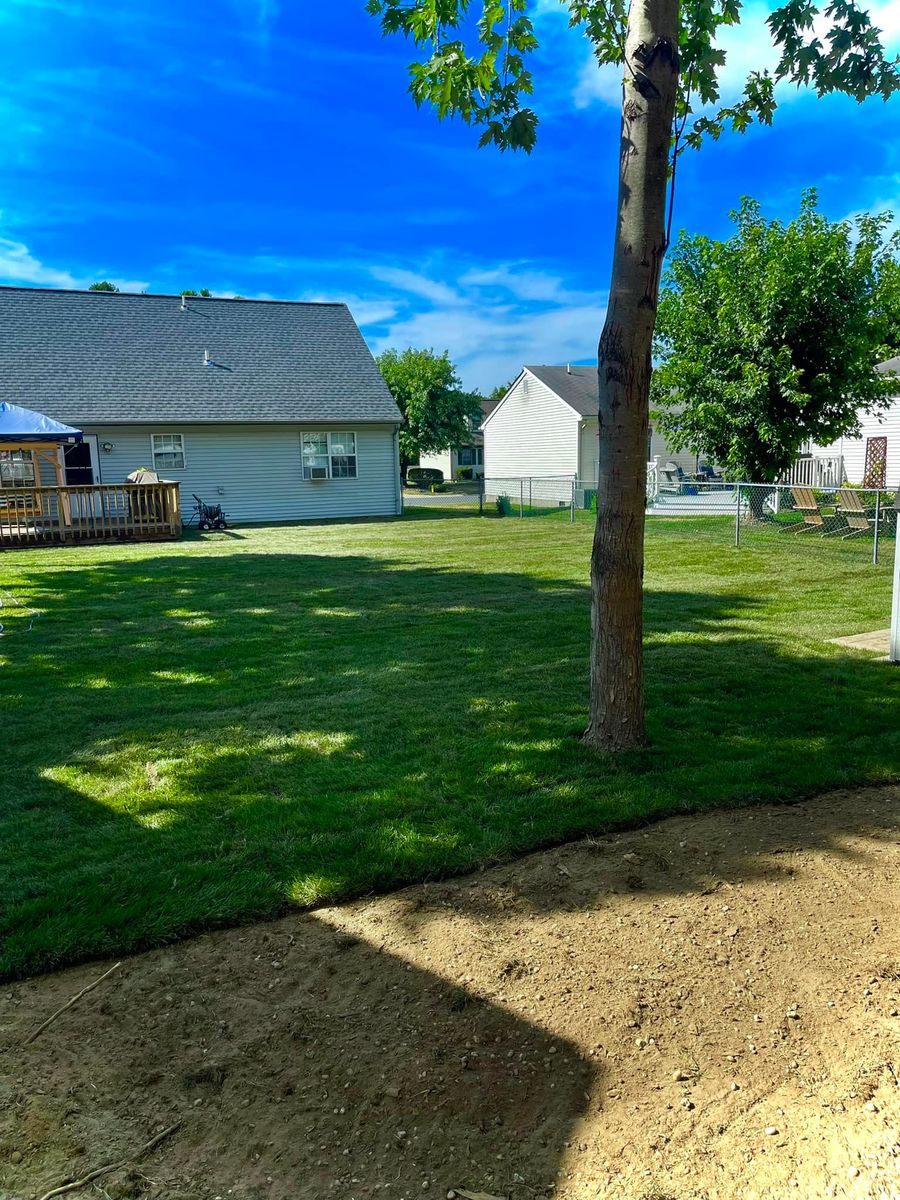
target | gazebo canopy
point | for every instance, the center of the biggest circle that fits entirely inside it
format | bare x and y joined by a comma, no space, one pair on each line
22,428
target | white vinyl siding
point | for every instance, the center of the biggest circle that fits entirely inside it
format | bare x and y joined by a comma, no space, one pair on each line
441,460
854,449
590,449
660,449
532,432
449,461
256,471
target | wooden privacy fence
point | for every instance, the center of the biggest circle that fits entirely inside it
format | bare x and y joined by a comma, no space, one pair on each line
97,512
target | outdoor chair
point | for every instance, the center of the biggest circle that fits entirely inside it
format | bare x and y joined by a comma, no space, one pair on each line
673,479
806,504
850,507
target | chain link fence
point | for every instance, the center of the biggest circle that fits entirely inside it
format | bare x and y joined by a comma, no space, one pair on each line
859,520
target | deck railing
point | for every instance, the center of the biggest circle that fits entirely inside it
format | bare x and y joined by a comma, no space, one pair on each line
816,470
96,512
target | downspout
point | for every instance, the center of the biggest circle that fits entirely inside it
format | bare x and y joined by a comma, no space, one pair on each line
397,470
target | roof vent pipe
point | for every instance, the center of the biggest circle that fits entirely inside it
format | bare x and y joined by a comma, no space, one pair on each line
568,368
207,361
183,304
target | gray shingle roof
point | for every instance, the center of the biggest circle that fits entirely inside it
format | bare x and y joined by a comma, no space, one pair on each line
578,386
101,357
890,367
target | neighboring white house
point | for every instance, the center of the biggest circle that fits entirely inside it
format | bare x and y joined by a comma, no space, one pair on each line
469,455
849,453
276,410
546,426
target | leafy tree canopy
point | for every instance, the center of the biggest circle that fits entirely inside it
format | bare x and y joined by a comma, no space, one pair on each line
501,389
437,413
476,68
103,285
194,292
770,339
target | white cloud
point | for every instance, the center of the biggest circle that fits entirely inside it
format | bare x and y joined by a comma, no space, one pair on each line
598,85
416,284
494,320
124,285
18,265
748,47
367,310
523,283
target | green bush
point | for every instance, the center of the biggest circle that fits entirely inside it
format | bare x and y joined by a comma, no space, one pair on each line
504,508
463,472
423,477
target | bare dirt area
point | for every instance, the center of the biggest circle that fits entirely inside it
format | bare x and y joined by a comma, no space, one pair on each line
708,1008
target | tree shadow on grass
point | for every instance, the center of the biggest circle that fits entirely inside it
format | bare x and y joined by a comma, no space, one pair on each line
203,740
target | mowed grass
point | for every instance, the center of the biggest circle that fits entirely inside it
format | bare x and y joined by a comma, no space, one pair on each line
208,731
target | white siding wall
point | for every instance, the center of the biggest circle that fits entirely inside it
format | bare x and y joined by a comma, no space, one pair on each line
686,459
658,448
590,450
255,471
854,449
532,432
444,461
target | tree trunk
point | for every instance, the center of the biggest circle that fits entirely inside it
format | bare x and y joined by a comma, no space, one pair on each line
617,560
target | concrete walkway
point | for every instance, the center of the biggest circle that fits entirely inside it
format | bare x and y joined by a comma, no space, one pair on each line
879,640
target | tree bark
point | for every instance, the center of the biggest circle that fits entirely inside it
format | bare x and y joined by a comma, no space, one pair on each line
624,367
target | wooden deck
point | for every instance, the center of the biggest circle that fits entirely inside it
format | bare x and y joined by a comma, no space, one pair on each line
100,512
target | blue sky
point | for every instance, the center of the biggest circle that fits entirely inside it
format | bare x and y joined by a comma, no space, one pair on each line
269,148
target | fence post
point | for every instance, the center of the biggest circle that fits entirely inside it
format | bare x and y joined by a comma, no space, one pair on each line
737,515
521,498
481,495
877,523
572,505
894,654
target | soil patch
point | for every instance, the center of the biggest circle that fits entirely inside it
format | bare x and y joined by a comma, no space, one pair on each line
705,1009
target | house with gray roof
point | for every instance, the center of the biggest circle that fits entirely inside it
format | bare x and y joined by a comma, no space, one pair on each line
466,460
547,426
274,409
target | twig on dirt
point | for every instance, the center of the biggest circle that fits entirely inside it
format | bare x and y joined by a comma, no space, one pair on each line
90,987
115,1166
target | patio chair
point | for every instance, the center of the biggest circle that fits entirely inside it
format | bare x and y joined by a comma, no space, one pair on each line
673,479
709,473
806,504
850,507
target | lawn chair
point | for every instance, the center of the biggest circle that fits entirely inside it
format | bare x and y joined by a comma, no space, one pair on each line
850,507
707,471
672,479
806,504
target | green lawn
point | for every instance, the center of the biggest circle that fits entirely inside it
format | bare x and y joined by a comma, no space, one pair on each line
203,732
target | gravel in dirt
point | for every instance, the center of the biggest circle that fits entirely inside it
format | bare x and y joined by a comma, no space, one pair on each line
724,1024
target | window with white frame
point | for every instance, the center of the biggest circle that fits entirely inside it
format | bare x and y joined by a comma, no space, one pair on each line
168,451
16,468
329,455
